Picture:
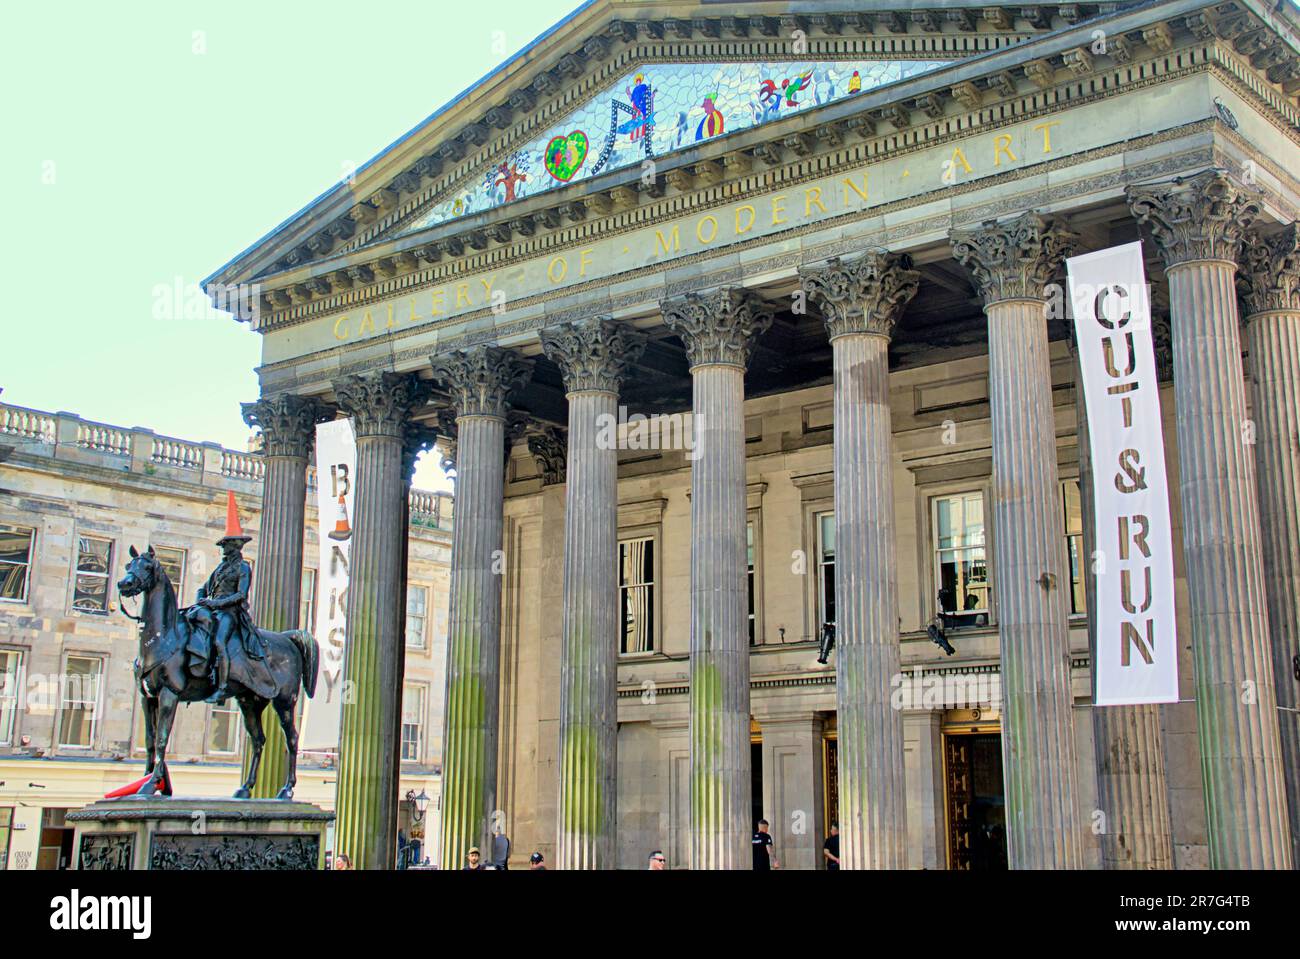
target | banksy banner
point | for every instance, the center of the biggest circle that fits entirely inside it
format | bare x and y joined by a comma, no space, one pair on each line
336,457
1136,658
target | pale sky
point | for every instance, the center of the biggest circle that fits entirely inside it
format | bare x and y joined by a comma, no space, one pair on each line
148,143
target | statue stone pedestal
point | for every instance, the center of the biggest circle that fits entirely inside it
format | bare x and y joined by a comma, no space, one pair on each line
196,833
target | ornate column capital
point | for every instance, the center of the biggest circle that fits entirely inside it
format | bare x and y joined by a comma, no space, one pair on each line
1201,217
288,422
864,295
481,379
593,354
1268,277
380,403
550,448
718,327
1013,259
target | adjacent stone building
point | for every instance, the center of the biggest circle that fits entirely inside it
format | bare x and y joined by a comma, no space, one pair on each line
817,244
75,495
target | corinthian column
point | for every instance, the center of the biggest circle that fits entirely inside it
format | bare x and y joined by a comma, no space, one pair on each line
288,425
719,329
1013,262
1128,742
862,301
1269,280
593,355
480,381
379,404
1198,224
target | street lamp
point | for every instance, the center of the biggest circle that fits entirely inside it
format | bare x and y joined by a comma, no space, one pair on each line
421,801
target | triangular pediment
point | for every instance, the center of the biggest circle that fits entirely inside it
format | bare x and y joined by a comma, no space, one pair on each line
652,111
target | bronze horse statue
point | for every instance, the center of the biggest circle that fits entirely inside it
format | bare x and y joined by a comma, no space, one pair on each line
168,676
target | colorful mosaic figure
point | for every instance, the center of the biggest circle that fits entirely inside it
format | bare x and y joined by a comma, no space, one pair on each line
713,122
501,183
638,129
619,123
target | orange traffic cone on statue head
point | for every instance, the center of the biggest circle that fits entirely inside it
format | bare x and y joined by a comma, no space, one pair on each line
342,529
234,532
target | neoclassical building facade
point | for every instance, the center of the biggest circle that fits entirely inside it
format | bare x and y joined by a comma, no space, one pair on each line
742,326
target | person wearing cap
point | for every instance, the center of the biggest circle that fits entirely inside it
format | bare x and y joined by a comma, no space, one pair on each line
536,862
223,604
473,865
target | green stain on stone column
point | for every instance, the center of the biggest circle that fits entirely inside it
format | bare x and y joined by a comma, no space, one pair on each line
706,743
583,800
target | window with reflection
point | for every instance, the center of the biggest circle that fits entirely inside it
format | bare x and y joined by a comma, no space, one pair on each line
79,714
307,602
412,722
961,566
172,561
223,728
417,615
749,554
825,570
1072,510
15,562
11,664
94,561
636,585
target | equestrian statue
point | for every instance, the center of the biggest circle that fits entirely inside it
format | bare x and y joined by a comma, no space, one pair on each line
212,651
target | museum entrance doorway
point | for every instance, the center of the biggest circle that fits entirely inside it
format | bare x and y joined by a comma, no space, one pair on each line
973,791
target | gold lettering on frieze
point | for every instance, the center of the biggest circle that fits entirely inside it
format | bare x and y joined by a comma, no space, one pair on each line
836,193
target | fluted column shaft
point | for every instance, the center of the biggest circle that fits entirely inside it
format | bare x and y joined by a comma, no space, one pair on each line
1013,262
288,426
366,807
1270,278
862,300
480,381
1198,226
589,664
873,802
718,330
719,721
593,356
1128,743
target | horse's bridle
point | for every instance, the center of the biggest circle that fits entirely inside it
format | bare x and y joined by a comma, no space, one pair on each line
122,604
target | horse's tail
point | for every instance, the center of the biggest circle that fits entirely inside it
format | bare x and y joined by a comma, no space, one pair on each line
306,644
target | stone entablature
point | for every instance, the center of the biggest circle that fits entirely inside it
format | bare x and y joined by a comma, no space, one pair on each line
986,93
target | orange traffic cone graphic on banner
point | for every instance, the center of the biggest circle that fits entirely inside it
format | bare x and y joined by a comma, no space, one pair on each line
342,530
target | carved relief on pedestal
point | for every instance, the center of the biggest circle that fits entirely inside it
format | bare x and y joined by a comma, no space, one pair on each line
718,327
1202,217
864,295
1014,259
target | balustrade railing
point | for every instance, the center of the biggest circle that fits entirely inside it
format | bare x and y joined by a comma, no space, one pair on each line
143,451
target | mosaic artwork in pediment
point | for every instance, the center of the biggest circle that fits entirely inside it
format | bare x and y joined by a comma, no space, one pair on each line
656,109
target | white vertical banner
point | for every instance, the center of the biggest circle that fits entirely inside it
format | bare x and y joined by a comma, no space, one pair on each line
336,459
1136,659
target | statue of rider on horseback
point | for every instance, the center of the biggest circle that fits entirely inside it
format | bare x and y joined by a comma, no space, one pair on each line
223,625
212,652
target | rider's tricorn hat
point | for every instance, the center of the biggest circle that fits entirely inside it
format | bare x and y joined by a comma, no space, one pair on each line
234,532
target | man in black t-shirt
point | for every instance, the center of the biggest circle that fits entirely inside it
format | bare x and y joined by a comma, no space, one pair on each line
764,858
831,849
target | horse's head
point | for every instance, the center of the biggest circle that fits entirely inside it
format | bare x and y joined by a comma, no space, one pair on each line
142,573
